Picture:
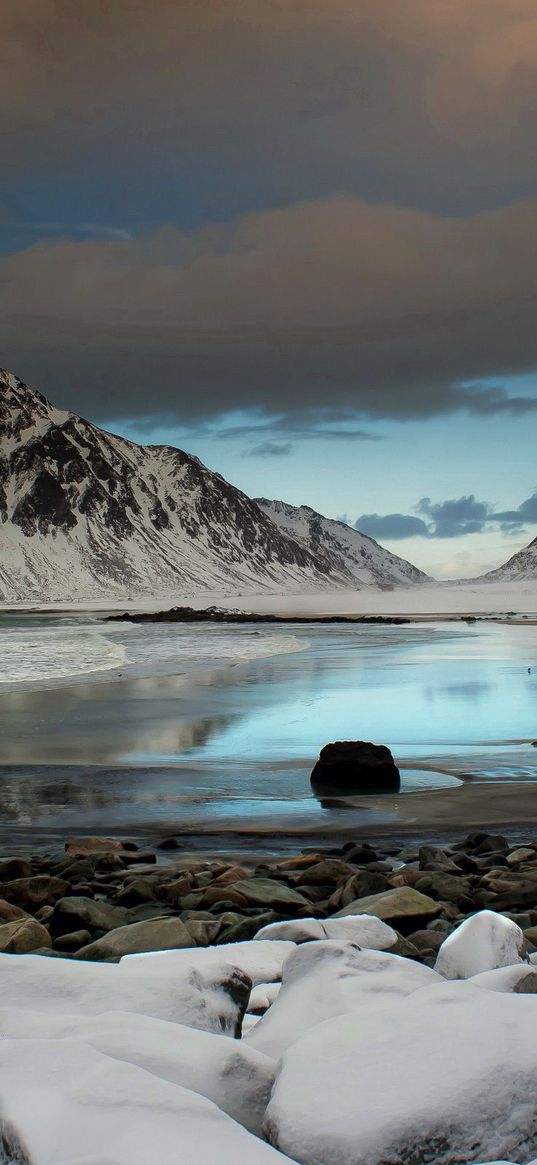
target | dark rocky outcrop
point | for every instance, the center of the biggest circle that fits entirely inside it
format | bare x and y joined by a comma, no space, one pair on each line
355,766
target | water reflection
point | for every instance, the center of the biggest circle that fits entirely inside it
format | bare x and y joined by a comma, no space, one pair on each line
470,692
232,747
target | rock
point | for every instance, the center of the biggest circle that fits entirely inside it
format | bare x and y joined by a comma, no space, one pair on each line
212,895
69,943
13,868
426,941
172,985
159,934
502,890
86,914
358,886
269,892
230,875
483,843
236,928
64,1101
169,843
446,887
39,890
355,766
22,936
446,1075
518,856
359,855
481,943
324,979
203,932
325,872
520,979
138,891
174,892
8,912
237,1078
434,859
303,930
365,931
80,847
403,907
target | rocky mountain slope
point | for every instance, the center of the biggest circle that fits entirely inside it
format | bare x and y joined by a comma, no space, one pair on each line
84,513
522,567
366,561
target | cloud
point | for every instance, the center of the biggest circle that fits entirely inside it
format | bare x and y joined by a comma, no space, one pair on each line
370,170
456,517
307,430
391,527
453,518
366,96
269,449
514,520
379,311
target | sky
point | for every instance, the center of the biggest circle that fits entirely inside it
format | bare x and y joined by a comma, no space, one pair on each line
295,237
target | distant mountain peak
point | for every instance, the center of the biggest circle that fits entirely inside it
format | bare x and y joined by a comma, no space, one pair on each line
365,560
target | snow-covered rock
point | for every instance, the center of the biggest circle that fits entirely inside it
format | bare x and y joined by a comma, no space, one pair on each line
211,996
262,962
521,979
235,1076
363,929
262,997
62,1101
328,978
450,1071
481,943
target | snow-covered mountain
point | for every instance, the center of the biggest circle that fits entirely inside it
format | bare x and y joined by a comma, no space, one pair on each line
522,567
366,561
84,514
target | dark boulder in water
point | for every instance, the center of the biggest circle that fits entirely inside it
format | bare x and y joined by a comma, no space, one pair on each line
355,766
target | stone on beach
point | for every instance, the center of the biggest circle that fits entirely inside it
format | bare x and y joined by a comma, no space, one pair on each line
355,766
481,943
63,1101
210,994
158,934
236,1077
451,1067
77,913
403,907
361,929
332,977
23,935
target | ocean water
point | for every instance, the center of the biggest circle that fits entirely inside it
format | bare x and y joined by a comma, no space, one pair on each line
214,730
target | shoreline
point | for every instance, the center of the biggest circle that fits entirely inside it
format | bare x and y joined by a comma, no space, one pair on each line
437,816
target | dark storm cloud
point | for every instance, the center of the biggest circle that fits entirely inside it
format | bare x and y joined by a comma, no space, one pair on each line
336,303
391,527
453,518
134,114
257,102
456,517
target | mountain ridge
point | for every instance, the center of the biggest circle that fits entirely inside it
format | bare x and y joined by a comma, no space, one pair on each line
84,513
368,562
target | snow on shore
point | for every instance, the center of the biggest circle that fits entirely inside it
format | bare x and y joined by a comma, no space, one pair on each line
361,1056
432,602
